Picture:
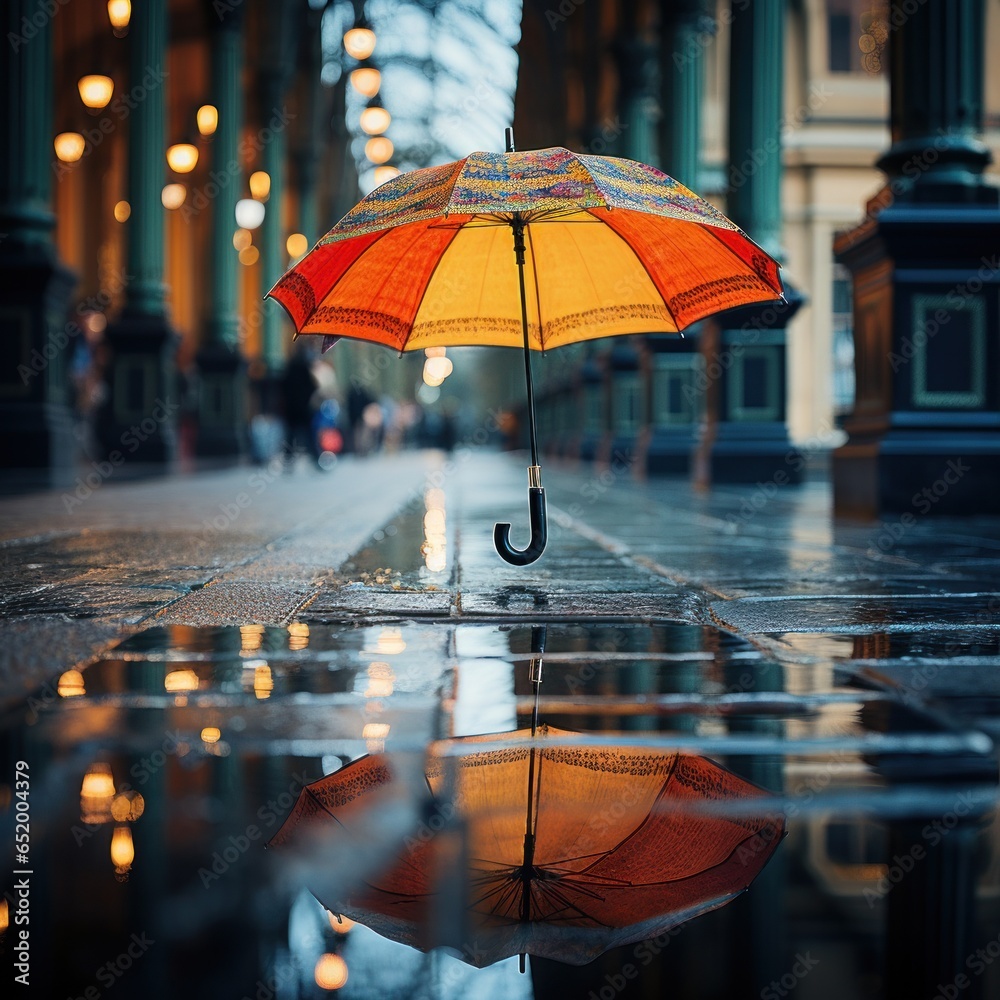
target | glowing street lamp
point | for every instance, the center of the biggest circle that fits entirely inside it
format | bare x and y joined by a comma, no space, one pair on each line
182,157
375,119
366,80
379,149
207,118
96,90
359,43
119,12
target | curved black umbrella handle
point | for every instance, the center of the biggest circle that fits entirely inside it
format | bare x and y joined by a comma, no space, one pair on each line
539,526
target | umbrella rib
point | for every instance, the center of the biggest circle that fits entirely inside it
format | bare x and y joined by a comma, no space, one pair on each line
538,294
642,264
712,231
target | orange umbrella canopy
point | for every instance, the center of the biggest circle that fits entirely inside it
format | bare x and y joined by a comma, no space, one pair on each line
624,844
612,246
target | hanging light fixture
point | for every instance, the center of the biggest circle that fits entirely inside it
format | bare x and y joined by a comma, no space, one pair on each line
207,118
375,119
366,79
119,12
122,851
260,185
69,146
96,90
182,157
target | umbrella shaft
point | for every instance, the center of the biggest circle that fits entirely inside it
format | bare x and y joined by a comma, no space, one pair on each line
517,224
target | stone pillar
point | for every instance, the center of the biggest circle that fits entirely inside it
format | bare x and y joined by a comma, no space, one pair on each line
674,386
746,436
36,423
924,434
137,422
278,61
222,385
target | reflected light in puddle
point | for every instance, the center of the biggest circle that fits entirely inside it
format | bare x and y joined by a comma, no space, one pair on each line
435,546
251,636
380,678
339,923
211,734
298,636
330,972
181,681
71,684
122,851
374,735
127,806
97,793
263,682
390,641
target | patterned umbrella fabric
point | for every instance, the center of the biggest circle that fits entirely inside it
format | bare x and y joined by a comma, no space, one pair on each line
618,844
612,247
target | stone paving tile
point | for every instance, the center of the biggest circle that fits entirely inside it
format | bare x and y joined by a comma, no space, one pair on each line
898,613
236,604
333,605
130,604
536,603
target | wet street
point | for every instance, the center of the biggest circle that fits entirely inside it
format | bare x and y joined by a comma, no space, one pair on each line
182,656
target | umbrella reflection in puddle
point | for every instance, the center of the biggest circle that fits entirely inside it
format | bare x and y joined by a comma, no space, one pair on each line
539,842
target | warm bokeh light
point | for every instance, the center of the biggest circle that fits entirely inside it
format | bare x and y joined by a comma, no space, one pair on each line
127,806
379,149
182,157
375,120
122,211
263,681
385,173
180,681
438,368
5,917
207,118
380,678
434,498
430,379
97,792
96,90
298,636
366,80
242,238
434,521
330,972
249,213
340,923
296,245
249,256
435,352
70,684
211,734
173,195
359,43
119,12
260,184
122,849
69,146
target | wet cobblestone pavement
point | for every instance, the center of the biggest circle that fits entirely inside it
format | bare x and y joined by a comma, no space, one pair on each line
181,656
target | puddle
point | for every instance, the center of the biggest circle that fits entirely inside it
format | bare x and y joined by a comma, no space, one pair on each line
158,772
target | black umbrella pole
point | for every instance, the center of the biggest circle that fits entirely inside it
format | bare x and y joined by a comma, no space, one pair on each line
536,495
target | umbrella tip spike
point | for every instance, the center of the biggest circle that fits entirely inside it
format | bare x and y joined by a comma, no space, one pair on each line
508,138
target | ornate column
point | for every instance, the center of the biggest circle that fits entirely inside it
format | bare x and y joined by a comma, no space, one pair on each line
746,439
924,435
36,424
137,423
222,386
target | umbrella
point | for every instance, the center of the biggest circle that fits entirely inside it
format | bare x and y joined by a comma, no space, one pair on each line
603,246
617,844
